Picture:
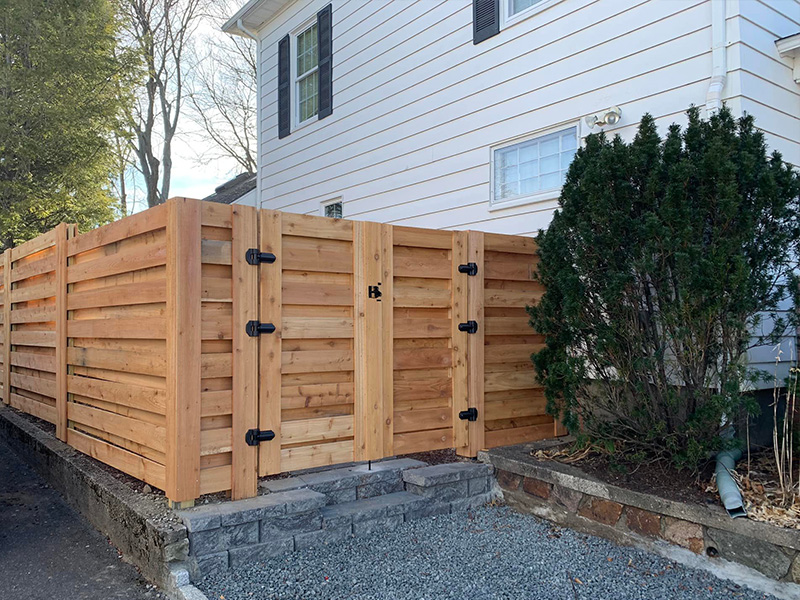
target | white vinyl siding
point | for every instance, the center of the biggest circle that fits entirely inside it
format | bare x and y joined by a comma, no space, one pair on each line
307,74
527,169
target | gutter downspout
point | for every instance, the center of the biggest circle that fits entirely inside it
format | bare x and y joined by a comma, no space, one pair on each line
253,36
728,490
719,59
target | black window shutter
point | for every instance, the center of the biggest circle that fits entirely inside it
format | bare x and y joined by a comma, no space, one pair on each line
284,89
325,48
485,19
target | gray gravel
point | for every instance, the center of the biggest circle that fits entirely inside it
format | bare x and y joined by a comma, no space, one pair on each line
492,553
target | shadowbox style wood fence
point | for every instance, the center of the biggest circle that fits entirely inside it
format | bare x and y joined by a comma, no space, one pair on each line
197,346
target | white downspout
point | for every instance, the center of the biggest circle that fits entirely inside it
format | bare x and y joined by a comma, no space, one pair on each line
719,59
253,36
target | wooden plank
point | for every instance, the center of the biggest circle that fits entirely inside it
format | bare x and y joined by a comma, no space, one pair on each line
498,242
518,435
420,293
510,380
534,404
61,331
317,227
316,430
423,441
460,361
40,410
316,455
215,479
317,294
184,273
503,298
146,434
423,358
214,214
319,361
422,389
214,252
37,244
315,254
218,364
139,397
217,441
38,385
316,327
270,356
421,262
34,292
129,294
512,270
34,268
508,326
38,362
218,402
316,395
423,238
144,256
128,462
41,339
143,222
7,326
244,465
368,409
421,420
511,353
475,344
433,327
150,328
387,338
147,363
38,314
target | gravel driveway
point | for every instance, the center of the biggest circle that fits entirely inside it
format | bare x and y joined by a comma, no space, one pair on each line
492,553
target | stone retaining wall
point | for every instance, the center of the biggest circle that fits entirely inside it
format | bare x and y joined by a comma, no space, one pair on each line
565,495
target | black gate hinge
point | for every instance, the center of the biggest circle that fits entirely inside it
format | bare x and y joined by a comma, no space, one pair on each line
469,268
254,257
471,414
469,326
256,328
375,292
254,437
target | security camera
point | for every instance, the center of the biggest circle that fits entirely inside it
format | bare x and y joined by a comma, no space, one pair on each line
610,116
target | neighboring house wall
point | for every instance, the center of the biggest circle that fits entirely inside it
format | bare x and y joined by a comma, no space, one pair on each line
248,199
417,106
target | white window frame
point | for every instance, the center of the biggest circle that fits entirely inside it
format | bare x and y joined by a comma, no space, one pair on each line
543,196
322,205
508,19
296,78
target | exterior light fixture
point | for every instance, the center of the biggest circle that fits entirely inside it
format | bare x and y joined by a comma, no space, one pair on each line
609,116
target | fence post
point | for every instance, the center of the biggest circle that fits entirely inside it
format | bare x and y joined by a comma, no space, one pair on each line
475,348
270,311
368,344
387,337
460,372
184,281
7,326
61,331
244,472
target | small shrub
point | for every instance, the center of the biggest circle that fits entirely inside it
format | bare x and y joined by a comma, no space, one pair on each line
664,258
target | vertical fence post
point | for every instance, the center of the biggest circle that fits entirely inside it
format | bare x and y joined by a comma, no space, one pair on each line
387,337
7,326
369,406
475,349
460,371
244,472
270,311
184,273
61,331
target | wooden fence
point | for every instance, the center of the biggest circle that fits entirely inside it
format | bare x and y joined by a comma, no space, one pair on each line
133,341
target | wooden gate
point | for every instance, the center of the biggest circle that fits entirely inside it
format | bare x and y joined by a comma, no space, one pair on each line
371,354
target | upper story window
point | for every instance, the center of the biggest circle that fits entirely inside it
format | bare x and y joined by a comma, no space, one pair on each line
307,79
535,168
517,6
333,210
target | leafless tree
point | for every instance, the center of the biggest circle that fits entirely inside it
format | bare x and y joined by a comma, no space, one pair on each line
159,31
222,91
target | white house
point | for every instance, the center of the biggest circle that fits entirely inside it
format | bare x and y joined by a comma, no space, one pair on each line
466,113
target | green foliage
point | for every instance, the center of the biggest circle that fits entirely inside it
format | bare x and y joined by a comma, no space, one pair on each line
59,104
663,259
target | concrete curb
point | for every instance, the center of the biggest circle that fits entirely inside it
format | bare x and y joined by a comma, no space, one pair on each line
130,520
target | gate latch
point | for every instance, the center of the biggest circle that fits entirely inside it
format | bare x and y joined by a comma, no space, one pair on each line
375,292
254,257
471,414
256,328
469,268
254,437
469,326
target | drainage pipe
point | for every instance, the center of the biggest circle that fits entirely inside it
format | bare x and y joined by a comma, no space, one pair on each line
719,61
728,490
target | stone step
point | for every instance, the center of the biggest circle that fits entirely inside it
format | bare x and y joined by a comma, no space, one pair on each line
351,483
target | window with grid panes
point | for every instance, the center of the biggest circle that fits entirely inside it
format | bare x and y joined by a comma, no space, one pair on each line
307,80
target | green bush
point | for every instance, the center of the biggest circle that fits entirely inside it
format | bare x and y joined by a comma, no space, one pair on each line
664,258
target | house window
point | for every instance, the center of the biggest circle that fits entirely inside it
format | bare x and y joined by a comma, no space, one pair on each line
333,210
533,167
307,79
517,6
